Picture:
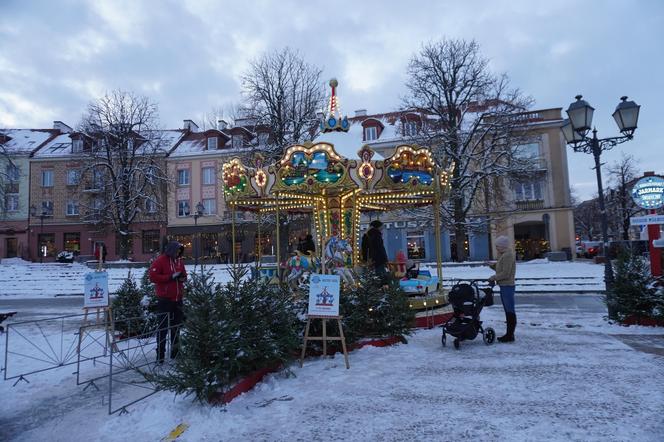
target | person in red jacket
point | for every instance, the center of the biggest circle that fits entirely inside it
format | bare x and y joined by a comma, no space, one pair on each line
168,274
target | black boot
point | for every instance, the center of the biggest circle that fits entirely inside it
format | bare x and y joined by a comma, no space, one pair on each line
511,325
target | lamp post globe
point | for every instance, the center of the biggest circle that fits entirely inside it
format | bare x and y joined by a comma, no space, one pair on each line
580,114
626,116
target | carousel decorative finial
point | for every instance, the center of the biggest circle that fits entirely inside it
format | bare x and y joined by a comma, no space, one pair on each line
332,119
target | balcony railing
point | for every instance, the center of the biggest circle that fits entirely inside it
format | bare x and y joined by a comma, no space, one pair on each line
530,205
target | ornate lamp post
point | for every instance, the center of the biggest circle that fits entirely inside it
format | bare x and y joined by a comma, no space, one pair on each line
575,130
200,211
44,214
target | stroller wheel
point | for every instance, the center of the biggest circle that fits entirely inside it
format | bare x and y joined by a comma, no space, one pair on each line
489,336
456,344
444,339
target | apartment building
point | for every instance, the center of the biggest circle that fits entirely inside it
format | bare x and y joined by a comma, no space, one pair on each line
536,212
66,197
17,147
197,214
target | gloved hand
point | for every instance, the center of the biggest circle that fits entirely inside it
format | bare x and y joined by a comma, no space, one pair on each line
175,275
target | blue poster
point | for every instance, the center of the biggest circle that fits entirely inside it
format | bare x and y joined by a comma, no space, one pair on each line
324,295
95,290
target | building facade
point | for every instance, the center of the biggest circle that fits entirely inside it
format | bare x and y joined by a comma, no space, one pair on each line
66,198
17,146
536,212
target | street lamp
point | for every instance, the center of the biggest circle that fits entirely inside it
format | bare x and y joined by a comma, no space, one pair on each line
575,130
200,211
44,214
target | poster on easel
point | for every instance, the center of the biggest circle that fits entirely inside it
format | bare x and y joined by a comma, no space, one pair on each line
324,295
95,290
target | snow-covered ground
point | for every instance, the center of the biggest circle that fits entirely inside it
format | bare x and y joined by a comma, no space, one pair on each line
569,376
34,280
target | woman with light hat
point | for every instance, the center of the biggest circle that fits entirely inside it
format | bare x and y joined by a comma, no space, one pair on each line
505,269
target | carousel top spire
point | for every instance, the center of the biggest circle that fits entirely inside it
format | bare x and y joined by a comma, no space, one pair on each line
333,121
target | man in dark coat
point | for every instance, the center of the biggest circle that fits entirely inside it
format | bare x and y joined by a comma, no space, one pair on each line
375,249
308,245
168,274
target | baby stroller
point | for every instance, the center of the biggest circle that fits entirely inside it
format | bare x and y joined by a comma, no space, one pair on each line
467,300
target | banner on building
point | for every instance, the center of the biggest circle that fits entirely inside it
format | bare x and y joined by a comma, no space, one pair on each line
95,290
324,295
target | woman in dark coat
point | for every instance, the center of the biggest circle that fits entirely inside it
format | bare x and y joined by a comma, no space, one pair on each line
308,245
375,248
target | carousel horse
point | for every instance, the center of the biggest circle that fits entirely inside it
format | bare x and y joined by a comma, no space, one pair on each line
299,264
337,254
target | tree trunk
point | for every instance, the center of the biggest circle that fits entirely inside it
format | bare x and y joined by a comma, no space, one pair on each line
460,230
124,243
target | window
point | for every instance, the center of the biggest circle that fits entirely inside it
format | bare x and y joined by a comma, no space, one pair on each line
263,138
183,208
72,242
72,208
150,205
209,175
528,191
98,204
237,141
47,207
212,143
46,244
130,144
416,245
73,177
13,173
47,178
11,202
210,206
410,128
97,179
77,146
527,151
150,241
183,177
370,133
130,244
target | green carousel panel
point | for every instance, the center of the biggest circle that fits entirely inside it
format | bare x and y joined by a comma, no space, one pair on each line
410,168
312,168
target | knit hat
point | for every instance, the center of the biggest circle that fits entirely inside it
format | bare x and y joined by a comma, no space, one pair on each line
376,223
502,242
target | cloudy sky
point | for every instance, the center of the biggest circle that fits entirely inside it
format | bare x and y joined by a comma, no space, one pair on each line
188,55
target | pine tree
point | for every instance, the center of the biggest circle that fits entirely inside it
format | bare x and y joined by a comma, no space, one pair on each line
634,292
231,330
128,313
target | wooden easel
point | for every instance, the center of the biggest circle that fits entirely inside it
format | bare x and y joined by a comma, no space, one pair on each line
324,338
101,309
103,316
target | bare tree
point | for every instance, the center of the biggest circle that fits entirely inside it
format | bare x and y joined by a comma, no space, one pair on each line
284,93
8,175
586,221
472,117
124,162
620,205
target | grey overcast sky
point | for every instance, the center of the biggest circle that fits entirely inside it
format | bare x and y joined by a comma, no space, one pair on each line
188,55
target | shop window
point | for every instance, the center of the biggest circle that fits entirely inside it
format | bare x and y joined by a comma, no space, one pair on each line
416,245
46,244
72,242
209,245
186,241
130,245
151,241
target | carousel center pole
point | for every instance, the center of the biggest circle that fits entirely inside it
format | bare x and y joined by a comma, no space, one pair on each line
436,217
278,224
260,243
233,232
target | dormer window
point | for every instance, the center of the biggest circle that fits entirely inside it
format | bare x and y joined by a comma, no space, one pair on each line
130,144
77,146
212,143
410,128
237,141
370,133
262,138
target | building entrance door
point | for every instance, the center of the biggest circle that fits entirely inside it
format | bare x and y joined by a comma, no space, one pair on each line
12,248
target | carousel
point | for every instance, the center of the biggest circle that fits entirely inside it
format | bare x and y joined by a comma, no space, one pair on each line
335,191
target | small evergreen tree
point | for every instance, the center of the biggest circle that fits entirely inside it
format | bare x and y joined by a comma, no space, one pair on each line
634,292
231,330
128,313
